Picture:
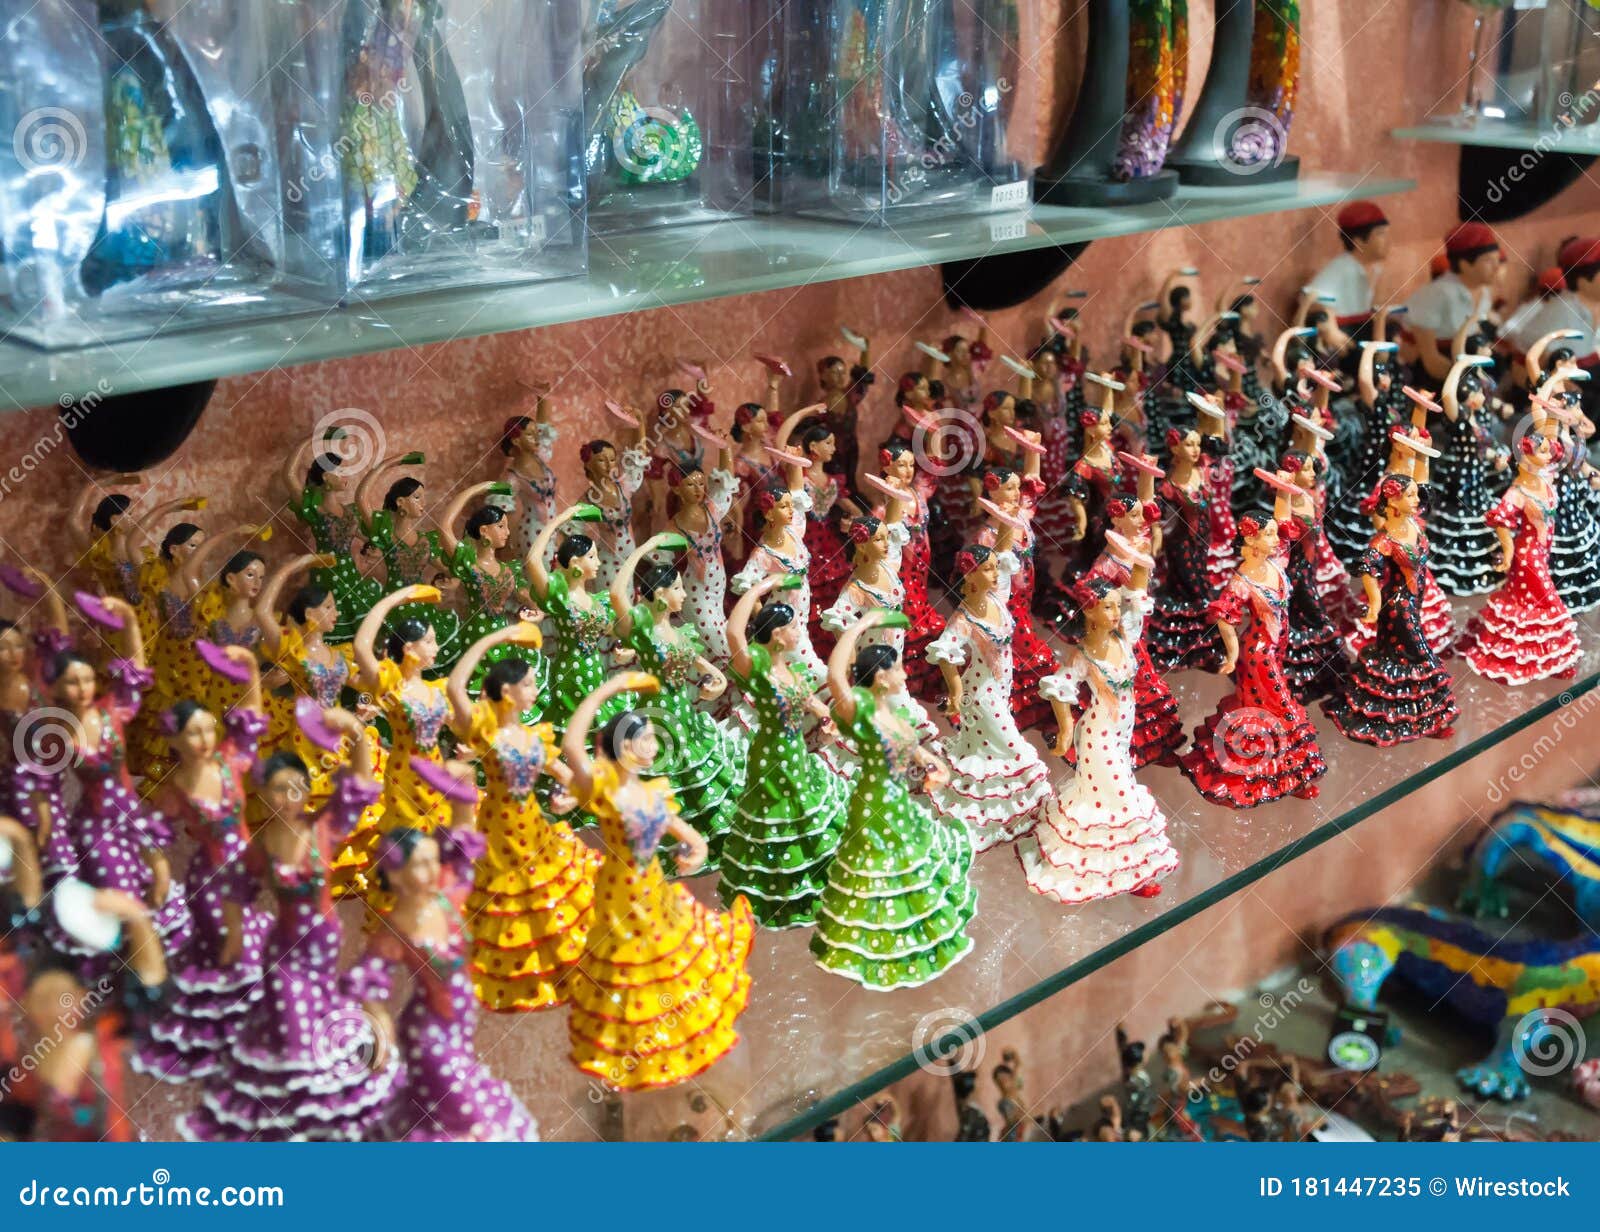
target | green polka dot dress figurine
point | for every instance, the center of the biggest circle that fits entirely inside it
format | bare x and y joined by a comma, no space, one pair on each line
898,902
702,759
412,556
583,623
789,817
321,481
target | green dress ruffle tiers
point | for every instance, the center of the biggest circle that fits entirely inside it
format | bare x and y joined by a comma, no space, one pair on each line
492,604
703,760
898,902
791,813
577,657
334,534
417,564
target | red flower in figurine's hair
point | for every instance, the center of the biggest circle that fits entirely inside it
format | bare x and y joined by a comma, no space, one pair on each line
860,532
1249,527
1175,437
991,481
677,475
1390,487
589,448
1120,506
993,401
746,412
1089,416
909,382
966,562
766,499
514,427
885,458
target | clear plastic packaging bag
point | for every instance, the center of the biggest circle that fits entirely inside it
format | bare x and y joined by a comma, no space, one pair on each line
142,189
878,109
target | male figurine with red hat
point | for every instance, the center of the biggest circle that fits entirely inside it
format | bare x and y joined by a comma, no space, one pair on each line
1576,306
1438,309
1351,276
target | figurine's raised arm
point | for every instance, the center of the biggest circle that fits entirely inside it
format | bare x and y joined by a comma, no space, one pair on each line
522,633
365,641
739,619
454,510
266,605
622,585
844,654
575,744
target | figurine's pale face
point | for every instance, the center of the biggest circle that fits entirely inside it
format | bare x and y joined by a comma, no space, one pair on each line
1265,540
198,739
424,652
1188,448
419,875
1483,269
523,694
495,534
782,510
1376,246
1541,456
246,584
1130,525
1046,365
692,491
1009,494
181,552
414,505
961,353
76,687
821,452
585,568
919,396
639,751
786,637
982,579
877,547
1003,414
890,679
1408,502
1106,614
1099,432
834,378
13,651
672,598
758,427
902,468
600,464
324,616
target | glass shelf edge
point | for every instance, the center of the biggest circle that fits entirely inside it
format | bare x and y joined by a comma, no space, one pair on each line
31,377
1536,139
842,1101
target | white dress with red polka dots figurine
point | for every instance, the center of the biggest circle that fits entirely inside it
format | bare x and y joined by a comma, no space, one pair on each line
998,781
1103,834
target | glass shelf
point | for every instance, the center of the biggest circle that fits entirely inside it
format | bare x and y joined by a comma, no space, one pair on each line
631,273
816,1045
1508,135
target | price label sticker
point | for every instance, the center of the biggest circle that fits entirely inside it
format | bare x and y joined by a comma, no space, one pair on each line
1011,196
1014,228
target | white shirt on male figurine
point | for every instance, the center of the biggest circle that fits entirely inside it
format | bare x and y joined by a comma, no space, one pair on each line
1565,310
1443,304
1348,281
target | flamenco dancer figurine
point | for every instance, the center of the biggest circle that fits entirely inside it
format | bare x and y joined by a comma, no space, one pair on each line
444,1094
997,782
118,838
412,555
529,446
876,546
613,480
1524,632
1380,404
306,1064
842,388
701,759
1259,745
1157,731
1093,476
1313,653
583,621
322,496
531,898
216,978
662,977
674,444
901,472
701,504
1016,497
1396,691
825,541
1103,834
787,824
1575,550
781,552
1181,630
898,902
1464,485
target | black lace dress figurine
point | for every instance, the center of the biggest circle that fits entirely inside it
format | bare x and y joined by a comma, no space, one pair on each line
1467,484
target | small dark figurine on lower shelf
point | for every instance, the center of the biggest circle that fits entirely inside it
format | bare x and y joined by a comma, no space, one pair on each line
1137,1089
971,1124
1013,1112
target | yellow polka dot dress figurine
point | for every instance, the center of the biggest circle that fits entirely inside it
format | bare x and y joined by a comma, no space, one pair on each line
662,977
415,706
532,893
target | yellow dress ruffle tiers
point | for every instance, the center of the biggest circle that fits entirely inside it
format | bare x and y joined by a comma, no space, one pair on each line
532,893
323,683
662,976
179,673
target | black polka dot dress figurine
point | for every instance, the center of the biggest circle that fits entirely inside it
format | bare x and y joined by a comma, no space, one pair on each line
1524,631
1103,834
1465,482
1314,659
1575,550
1180,632
1396,691
1259,744
1380,405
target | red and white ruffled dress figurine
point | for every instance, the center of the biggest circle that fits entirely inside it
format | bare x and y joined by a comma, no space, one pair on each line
1396,691
1259,744
700,505
1103,834
1525,631
902,473
998,782
1157,731
1016,496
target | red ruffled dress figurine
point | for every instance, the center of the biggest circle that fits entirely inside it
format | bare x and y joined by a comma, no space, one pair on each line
1259,745
1396,691
1313,655
830,501
1181,631
1525,631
